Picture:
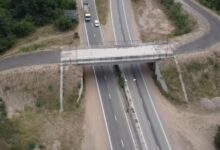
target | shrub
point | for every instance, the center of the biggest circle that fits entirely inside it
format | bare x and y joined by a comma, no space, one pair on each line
23,28
217,139
179,19
63,23
6,42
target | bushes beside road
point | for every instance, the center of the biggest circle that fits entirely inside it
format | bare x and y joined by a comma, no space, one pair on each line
177,16
212,4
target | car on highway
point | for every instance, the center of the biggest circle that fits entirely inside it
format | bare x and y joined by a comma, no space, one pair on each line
96,23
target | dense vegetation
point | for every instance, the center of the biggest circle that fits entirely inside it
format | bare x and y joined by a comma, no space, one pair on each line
175,13
19,18
217,139
212,4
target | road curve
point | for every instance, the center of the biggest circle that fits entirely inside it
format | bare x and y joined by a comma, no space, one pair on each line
207,40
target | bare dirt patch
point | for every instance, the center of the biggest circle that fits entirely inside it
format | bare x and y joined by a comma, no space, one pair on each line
31,96
153,24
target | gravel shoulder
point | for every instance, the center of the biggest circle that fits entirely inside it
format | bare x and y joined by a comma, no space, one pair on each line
95,136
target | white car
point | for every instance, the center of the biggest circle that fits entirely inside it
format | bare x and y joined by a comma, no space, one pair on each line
96,23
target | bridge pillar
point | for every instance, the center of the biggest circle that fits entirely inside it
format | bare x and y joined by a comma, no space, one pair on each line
156,69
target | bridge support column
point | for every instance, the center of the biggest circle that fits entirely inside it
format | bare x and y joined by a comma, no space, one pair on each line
156,68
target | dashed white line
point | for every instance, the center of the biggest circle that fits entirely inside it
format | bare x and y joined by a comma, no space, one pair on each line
157,116
116,118
122,143
103,112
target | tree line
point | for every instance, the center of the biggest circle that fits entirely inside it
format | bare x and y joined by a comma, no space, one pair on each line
19,18
213,4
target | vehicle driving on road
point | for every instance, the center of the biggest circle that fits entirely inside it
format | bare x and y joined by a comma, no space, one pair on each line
96,23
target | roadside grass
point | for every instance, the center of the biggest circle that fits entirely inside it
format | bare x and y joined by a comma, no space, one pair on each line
170,75
44,37
181,21
31,48
40,124
201,76
102,8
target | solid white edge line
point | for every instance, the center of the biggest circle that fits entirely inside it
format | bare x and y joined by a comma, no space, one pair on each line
112,21
142,134
154,108
103,112
126,117
100,98
85,26
98,19
61,87
132,136
126,21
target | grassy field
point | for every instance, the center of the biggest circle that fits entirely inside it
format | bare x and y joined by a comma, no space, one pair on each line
46,37
30,114
201,76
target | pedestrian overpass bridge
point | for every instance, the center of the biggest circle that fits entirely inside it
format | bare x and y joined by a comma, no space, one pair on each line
116,55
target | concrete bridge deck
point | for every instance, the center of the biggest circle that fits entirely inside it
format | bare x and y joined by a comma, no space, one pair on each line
94,56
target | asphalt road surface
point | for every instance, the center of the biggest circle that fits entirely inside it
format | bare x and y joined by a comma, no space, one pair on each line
150,124
209,39
119,130
40,58
117,124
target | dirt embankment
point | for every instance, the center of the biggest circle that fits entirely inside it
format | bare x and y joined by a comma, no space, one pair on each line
152,22
187,126
193,124
31,97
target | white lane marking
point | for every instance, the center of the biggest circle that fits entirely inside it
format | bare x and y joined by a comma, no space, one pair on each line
61,87
141,127
113,21
116,118
122,143
126,117
103,112
100,99
87,37
151,101
129,127
126,21
94,35
98,19
109,96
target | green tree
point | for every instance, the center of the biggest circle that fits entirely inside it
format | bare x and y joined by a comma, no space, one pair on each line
23,28
63,23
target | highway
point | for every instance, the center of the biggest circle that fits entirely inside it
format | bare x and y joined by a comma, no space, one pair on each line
119,131
52,57
151,126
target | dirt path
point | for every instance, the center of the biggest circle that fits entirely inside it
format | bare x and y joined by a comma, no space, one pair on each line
94,127
186,129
